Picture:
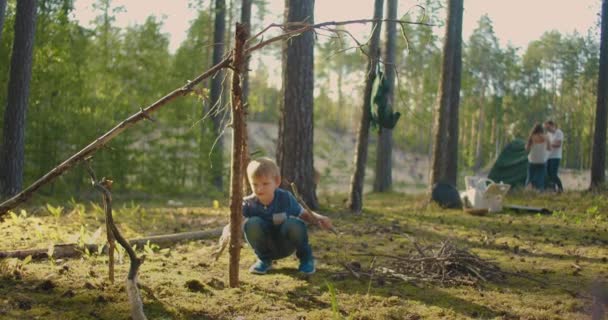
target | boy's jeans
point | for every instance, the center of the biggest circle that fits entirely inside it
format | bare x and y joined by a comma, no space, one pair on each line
272,242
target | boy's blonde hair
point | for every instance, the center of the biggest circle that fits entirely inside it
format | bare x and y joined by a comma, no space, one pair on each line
262,167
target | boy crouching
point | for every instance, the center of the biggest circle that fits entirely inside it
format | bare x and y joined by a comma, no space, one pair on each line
274,225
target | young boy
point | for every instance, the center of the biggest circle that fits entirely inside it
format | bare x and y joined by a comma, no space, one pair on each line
274,225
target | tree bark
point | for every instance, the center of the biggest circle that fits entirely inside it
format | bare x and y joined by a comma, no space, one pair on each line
295,143
18,94
246,21
239,139
215,94
355,201
384,151
2,16
598,160
444,162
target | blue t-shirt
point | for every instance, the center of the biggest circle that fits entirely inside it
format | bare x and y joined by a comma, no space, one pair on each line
283,201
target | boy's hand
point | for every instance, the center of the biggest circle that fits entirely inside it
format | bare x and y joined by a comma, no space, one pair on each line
325,223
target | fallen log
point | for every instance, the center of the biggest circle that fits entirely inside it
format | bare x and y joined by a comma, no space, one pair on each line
70,250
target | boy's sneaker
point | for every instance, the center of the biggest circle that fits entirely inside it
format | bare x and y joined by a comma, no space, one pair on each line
307,266
261,267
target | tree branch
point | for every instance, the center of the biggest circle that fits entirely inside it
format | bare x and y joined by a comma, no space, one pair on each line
300,27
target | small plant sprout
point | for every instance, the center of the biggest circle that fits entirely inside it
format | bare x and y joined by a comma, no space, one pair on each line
334,302
77,208
150,248
54,211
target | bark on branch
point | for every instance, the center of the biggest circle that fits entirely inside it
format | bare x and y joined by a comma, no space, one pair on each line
239,138
104,186
69,250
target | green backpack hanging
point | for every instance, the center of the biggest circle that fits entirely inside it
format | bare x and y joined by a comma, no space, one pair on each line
380,114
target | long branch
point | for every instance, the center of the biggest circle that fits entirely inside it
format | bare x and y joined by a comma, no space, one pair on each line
105,138
301,27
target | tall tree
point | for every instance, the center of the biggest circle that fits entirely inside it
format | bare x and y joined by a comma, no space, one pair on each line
215,94
355,201
384,151
483,61
18,94
444,161
295,142
598,160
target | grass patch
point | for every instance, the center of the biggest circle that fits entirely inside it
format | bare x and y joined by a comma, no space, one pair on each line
567,250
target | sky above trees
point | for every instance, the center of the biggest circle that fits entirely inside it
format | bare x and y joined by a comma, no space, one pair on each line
515,21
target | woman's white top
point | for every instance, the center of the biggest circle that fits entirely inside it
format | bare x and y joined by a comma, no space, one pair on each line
538,153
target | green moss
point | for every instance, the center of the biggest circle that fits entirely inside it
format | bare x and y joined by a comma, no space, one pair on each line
566,251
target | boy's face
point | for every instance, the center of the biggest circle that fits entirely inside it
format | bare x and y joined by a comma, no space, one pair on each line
264,187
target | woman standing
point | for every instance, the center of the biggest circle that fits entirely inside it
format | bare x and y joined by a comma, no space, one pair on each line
538,149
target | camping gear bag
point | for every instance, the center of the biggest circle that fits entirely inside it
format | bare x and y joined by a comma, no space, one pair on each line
483,193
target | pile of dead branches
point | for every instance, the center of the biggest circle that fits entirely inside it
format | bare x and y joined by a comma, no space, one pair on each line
443,263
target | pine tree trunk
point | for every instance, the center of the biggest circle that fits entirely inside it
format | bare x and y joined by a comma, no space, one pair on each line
355,201
17,101
598,160
215,95
2,16
384,151
295,142
444,163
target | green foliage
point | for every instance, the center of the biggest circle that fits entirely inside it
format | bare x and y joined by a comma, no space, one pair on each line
86,80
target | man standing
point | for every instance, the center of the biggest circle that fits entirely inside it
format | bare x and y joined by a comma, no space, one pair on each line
556,137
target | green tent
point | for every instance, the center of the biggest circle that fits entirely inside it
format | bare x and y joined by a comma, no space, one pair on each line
512,165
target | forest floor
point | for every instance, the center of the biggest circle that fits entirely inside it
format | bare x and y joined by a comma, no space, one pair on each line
564,252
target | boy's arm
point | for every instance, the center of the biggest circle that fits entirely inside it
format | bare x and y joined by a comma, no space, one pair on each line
312,217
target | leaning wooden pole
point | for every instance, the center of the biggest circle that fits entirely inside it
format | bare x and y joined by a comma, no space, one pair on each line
144,113
239,138
105,138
